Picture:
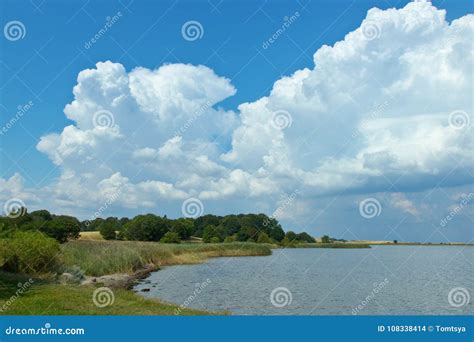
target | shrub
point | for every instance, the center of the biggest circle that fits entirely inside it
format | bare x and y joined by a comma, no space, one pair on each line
229,239
210,233
287,243
29,252
107,230
325,239
263,238
215,239
171,237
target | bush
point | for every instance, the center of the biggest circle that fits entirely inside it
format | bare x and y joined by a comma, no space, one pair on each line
263,238
215,239
107,230
287,243
325,239
229,239
171,237
210,234
29,252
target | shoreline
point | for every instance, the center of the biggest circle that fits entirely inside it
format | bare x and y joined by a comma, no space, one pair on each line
76,298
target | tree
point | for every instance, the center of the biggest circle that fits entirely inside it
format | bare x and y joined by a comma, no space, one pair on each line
203,221
290,235
171,237
231,224
210,234
263,238
325,239
41,215
107,230
183,227
62,228
145,228
304,237
395,241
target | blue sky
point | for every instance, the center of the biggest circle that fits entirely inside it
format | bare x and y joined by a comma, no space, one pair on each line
43,68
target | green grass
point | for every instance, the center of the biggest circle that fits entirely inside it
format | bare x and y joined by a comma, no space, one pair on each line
332,245
106,257
46,298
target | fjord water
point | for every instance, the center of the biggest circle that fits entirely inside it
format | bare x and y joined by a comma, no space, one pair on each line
383,280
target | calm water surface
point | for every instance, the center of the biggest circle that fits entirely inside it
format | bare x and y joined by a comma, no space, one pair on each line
395,280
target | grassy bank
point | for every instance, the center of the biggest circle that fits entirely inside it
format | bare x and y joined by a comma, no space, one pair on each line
47,298
106,257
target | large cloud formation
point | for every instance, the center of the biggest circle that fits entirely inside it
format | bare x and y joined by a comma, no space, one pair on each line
389,108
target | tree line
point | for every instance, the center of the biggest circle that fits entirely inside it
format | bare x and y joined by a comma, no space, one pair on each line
258,228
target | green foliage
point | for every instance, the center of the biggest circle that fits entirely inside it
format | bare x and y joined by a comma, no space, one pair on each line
305,237
62,228
230,239
107,230
150,227
287,243
29,252
106,257
171,237
146,228
325,239
290,235
215,239
210,234
183,227
263,238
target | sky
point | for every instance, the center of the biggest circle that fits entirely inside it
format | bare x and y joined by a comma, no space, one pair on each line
347,118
